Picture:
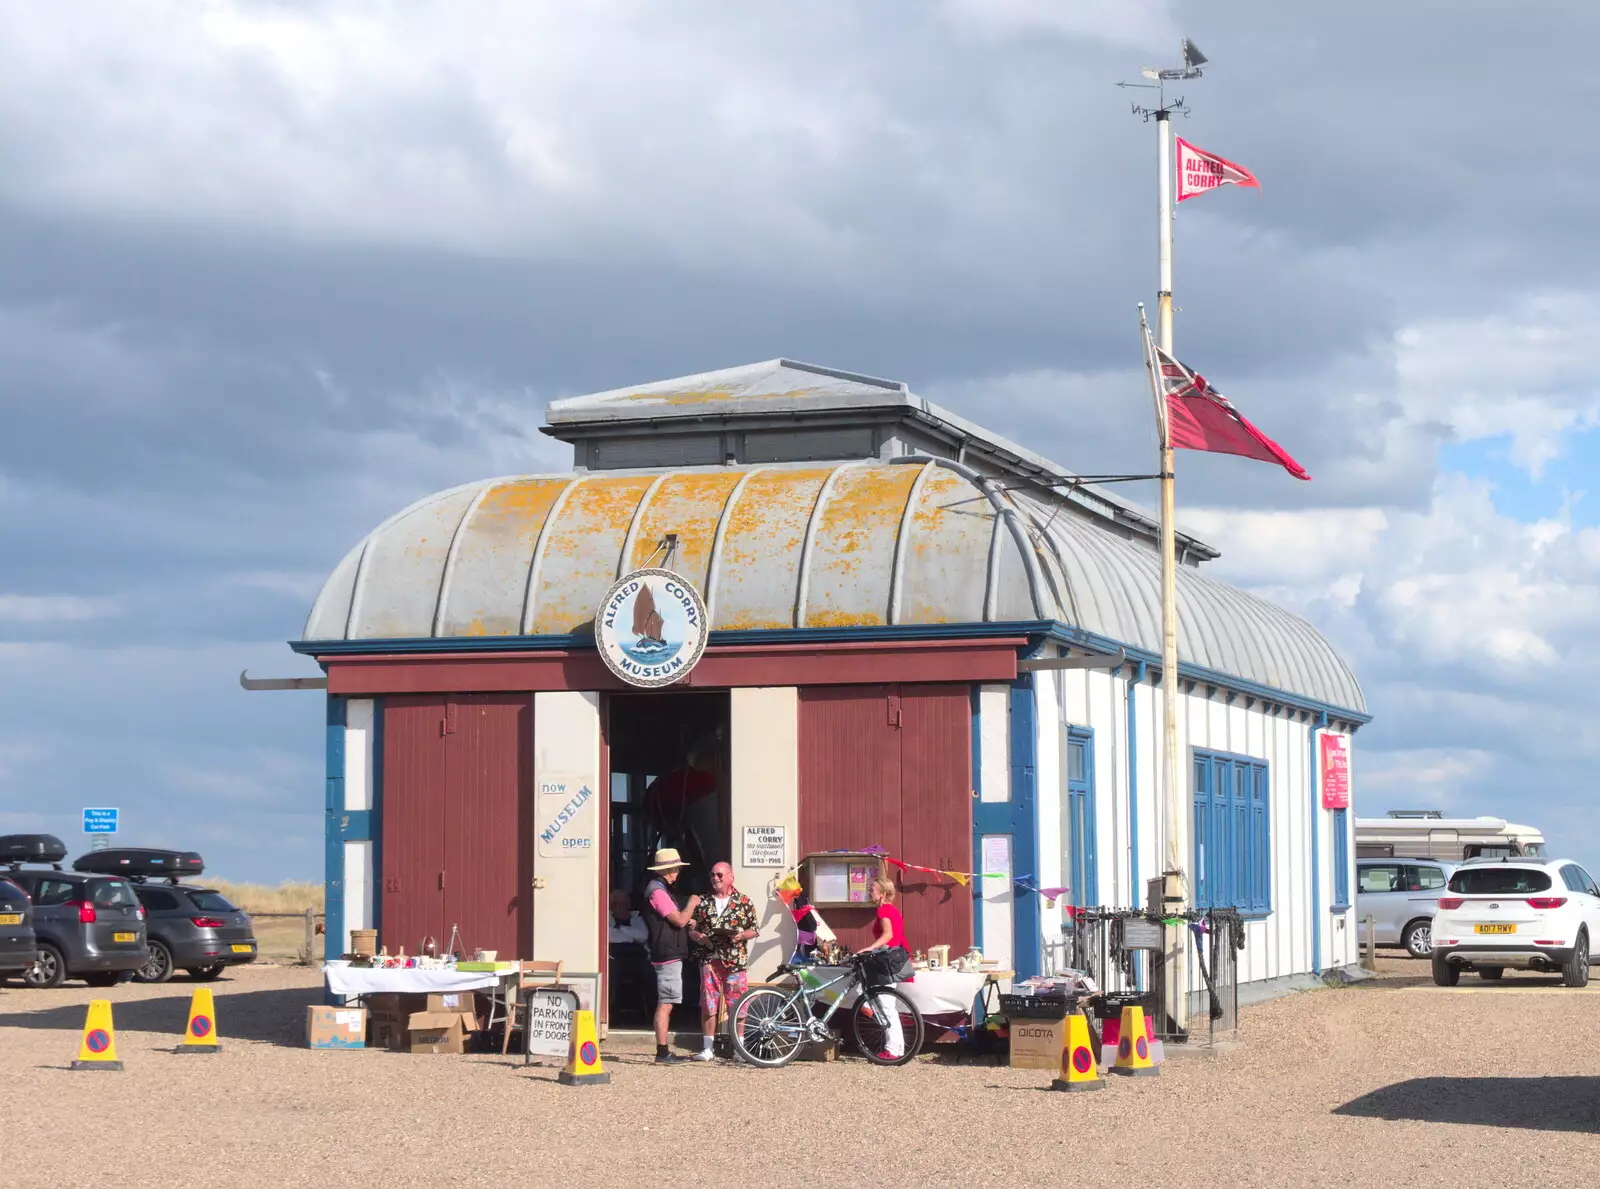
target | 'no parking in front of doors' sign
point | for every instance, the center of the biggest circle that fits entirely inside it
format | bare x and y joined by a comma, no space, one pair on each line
566,815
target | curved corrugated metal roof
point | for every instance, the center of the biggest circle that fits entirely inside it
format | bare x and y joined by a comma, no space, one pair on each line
856,544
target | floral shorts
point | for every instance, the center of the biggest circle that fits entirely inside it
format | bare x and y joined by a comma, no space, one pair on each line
720,985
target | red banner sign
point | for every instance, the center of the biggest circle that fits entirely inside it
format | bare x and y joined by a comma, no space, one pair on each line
1335,772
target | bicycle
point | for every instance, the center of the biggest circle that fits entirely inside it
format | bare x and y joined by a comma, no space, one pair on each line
771,1025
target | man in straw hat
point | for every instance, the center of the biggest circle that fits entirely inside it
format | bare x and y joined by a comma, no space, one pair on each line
666,919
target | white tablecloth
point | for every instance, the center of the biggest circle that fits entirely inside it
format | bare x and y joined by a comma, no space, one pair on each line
360,980
932,992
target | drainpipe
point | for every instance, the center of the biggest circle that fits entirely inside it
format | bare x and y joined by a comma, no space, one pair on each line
1135,680
1317,724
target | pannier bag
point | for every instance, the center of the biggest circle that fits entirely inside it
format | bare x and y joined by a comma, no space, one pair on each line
31,848
887,966
142,862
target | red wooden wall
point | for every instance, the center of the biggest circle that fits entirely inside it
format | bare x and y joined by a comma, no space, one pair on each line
891,766
456,811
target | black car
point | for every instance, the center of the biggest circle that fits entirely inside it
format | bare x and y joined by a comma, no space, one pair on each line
19,947
192,929
88,926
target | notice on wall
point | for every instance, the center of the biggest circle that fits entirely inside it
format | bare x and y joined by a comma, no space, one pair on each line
764,846
829,881
861,882
566,814
1335,772
549,1022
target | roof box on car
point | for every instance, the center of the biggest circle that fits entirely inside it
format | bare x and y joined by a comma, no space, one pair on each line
31,848
141,862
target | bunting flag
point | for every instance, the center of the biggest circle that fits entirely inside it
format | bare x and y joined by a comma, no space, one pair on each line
1200,172
1198,417
790,882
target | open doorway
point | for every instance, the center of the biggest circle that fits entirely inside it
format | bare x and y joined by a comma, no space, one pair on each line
669,788
669,784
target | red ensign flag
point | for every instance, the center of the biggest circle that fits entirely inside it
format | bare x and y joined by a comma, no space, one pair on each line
1200,172
1201,418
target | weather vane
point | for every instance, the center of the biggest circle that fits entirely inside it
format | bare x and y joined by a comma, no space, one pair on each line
1193,59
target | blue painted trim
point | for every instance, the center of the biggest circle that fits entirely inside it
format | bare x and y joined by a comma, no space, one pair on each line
1339,832
1061,633
1027,938
333,833
1214,814
1135,680
1017,817
583,640
1039,631
1085,892
355,825
975,694
1316,846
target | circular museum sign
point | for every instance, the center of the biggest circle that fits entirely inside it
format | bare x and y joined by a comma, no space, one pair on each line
651,627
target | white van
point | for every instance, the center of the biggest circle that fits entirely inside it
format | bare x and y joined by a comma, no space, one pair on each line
1428,834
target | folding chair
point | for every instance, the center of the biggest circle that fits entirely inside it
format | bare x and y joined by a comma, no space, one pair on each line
509,993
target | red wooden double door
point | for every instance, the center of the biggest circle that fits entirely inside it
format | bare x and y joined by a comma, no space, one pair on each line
456,809
891,766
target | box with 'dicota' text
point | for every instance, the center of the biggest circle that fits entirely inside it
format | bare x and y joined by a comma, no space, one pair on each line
1037,1044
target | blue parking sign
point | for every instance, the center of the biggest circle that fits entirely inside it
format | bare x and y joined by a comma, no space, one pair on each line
100,821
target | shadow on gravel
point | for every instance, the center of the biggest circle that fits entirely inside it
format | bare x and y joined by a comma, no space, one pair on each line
277,1017
1537,1104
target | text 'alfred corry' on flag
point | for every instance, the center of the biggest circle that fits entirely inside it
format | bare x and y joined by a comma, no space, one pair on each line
1201,418
1200,172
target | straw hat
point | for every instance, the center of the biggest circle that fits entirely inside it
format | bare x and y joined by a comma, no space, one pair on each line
667,859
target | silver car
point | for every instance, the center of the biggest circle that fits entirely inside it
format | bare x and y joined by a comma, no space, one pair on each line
1401,896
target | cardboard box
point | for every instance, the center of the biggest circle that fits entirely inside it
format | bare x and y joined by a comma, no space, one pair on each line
439,1031
1037,1044
336,1028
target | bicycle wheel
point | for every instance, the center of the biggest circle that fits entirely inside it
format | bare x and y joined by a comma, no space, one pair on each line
768,1029
874,1030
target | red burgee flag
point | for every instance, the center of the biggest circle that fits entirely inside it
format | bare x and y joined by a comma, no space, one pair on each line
1200,172
1201,418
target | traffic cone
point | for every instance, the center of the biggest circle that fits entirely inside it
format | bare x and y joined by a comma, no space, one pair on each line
200,1036
583,1053
1158,1050
1110,1034
98,1049
1133,1045
1077,1059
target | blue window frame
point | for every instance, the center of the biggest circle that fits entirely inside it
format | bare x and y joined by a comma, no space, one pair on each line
1078,813
1341,861
1232,833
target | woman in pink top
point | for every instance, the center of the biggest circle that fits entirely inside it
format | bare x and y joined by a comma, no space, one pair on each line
891,931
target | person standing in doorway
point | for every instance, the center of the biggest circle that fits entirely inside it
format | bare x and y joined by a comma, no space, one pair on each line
666,920
722,926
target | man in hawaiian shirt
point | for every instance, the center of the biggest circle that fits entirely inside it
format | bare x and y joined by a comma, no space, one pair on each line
722,923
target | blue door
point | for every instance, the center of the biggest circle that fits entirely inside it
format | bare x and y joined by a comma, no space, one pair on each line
1078,830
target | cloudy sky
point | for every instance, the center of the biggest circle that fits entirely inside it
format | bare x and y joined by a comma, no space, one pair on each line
271,269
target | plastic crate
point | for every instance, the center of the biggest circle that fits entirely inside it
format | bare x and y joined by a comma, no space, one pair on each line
1036,1007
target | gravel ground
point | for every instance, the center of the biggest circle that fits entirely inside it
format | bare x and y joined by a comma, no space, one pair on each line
1358,1085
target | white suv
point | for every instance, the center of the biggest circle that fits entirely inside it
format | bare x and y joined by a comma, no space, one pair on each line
1529,914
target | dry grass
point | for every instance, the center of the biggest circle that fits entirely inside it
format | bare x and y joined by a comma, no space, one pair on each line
278,939
285,897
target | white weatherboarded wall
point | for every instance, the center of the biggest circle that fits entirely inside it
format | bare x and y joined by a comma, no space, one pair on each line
1277,944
